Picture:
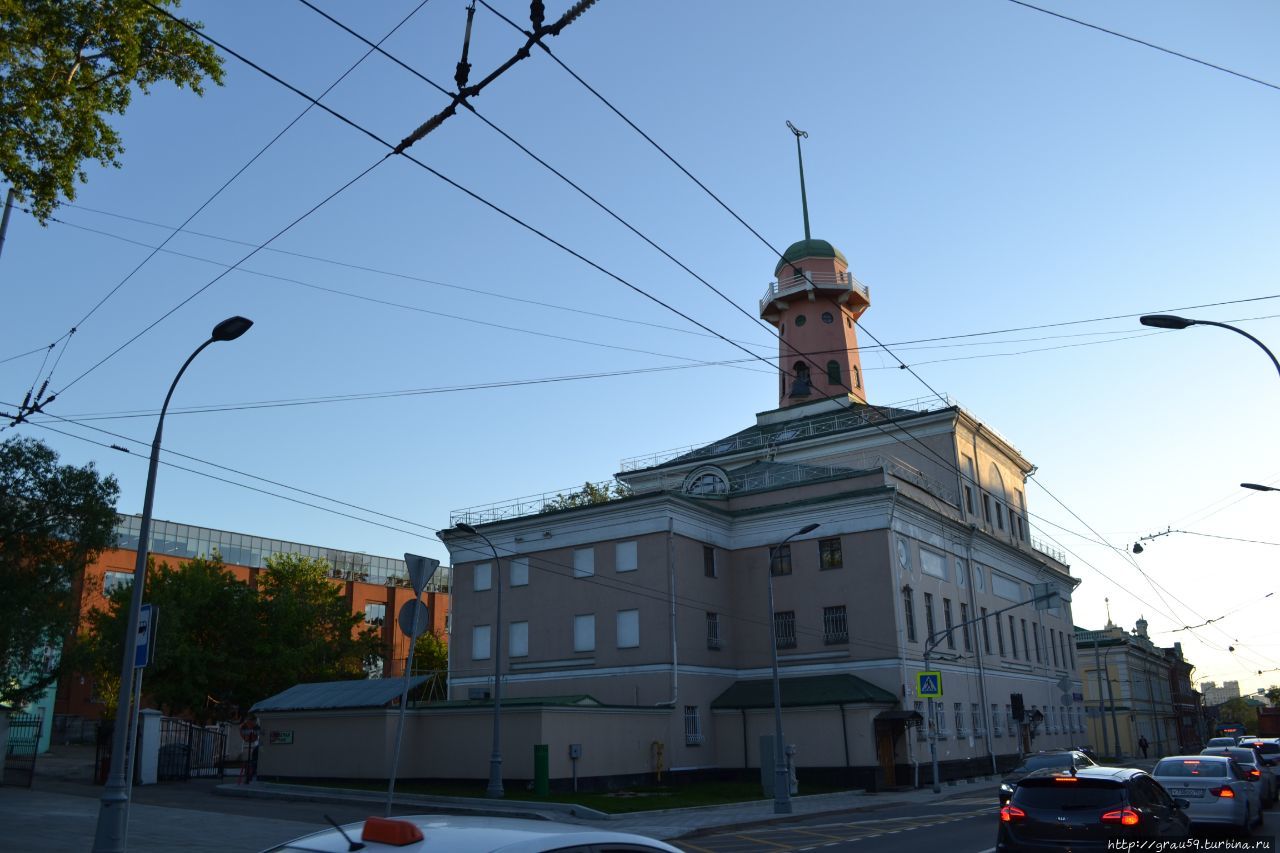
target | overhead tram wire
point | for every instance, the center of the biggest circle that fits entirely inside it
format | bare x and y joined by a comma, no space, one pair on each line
66,337
555,242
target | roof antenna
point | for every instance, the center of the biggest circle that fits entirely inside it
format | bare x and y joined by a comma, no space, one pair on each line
351,845
804,201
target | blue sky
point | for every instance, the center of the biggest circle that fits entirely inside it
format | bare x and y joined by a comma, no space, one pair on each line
983,166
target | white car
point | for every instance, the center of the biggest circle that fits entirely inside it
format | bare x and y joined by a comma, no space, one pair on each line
1216,789
436,833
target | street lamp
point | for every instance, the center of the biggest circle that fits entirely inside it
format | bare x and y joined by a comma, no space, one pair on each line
495,757
781,779
1258,487
113,809
1171,321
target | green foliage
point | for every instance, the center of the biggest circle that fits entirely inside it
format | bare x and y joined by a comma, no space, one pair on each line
589,494
1239,710
54,519
65,65
431,658
1273,695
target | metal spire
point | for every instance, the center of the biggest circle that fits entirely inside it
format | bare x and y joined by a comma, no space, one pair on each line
804,201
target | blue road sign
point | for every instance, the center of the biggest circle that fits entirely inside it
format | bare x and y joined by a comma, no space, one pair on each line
144,648
929,684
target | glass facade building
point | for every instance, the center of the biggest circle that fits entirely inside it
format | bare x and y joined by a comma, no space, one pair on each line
241,549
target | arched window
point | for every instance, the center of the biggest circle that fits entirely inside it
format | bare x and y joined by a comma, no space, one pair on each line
833,372
800,386
706,482
857,377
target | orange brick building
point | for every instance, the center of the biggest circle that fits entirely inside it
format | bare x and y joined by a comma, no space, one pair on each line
376,587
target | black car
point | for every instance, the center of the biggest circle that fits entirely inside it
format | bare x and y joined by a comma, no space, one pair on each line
1055,759
1088,809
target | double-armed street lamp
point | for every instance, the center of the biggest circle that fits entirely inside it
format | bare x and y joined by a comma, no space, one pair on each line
781,778
495,757
113,809
1172,321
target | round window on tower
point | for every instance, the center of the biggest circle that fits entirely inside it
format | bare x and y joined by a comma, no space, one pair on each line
827,318
800,320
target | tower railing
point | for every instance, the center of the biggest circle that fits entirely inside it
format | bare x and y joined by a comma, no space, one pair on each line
807,280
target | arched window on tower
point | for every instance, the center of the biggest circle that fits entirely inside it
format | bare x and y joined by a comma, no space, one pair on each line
857,376
833,372
800,386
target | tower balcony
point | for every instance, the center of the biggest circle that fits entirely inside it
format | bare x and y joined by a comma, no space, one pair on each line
842,285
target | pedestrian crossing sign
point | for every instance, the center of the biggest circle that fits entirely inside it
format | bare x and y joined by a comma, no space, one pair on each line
929,685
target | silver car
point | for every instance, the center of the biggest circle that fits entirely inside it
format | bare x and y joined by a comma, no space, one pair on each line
1258,771
440,833
1216,787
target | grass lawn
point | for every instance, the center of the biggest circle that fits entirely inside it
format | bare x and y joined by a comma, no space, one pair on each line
637,799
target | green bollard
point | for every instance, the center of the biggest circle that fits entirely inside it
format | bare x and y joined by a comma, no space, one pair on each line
541,770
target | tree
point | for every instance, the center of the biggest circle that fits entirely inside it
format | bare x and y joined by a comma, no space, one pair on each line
201,668
306,630
431,658
1238,710
1273,695
54,519
65,65
589,494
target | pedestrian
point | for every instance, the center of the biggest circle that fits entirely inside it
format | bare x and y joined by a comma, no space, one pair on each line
1142,744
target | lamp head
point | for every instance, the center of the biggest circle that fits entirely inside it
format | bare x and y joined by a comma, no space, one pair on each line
231,328
1258,487
466,528
808,528
1165,321
1137,548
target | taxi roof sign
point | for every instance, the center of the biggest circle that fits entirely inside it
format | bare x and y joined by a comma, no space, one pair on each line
929,684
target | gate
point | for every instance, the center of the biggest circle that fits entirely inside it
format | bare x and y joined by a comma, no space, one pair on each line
188,751
20,755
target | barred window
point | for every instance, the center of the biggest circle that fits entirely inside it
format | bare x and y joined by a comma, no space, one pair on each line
784,628
976,714
780,561
922,729
996,724
692,726
958,707
713,630
835,625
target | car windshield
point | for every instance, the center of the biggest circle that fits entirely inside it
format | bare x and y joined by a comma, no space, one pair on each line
1069,795
1040,762
1191,767
1238,754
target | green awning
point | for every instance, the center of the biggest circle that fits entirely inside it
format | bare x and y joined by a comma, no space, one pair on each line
804,693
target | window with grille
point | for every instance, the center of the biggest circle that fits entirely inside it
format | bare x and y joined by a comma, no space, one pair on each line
692,726
830,554
780,563
976,720
940,714
784,628
922,730
996,724
713,630
835,625
958,708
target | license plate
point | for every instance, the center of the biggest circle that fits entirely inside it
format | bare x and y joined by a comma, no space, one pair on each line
1186,792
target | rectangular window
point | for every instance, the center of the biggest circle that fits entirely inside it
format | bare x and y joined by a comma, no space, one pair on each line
964,626
999,515
584,562
708,561
692,726
1013,637
968,498
111,581
482,576
628,629
940,717
713,630
480,642
1071,648
1026,651
518,640
518,571
780,564
375,612
996,725
784,629
986,634
1053,644
584,633
1036,634
835,625
625,558
986,507
909,613
830,554
958,708
928,617
978,728
946,618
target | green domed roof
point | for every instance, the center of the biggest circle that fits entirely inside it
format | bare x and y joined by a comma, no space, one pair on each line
809,249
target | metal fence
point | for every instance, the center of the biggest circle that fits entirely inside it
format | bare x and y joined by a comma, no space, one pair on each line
20,754
188,751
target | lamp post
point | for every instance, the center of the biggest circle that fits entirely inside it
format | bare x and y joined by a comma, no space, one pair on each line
495,757
1172,321
781,779
113,809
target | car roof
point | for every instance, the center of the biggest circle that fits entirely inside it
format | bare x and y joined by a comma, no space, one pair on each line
467,834
1204,756
1242,754
1116,774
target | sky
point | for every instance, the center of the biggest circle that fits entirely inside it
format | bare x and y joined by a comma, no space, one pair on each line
1004,180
